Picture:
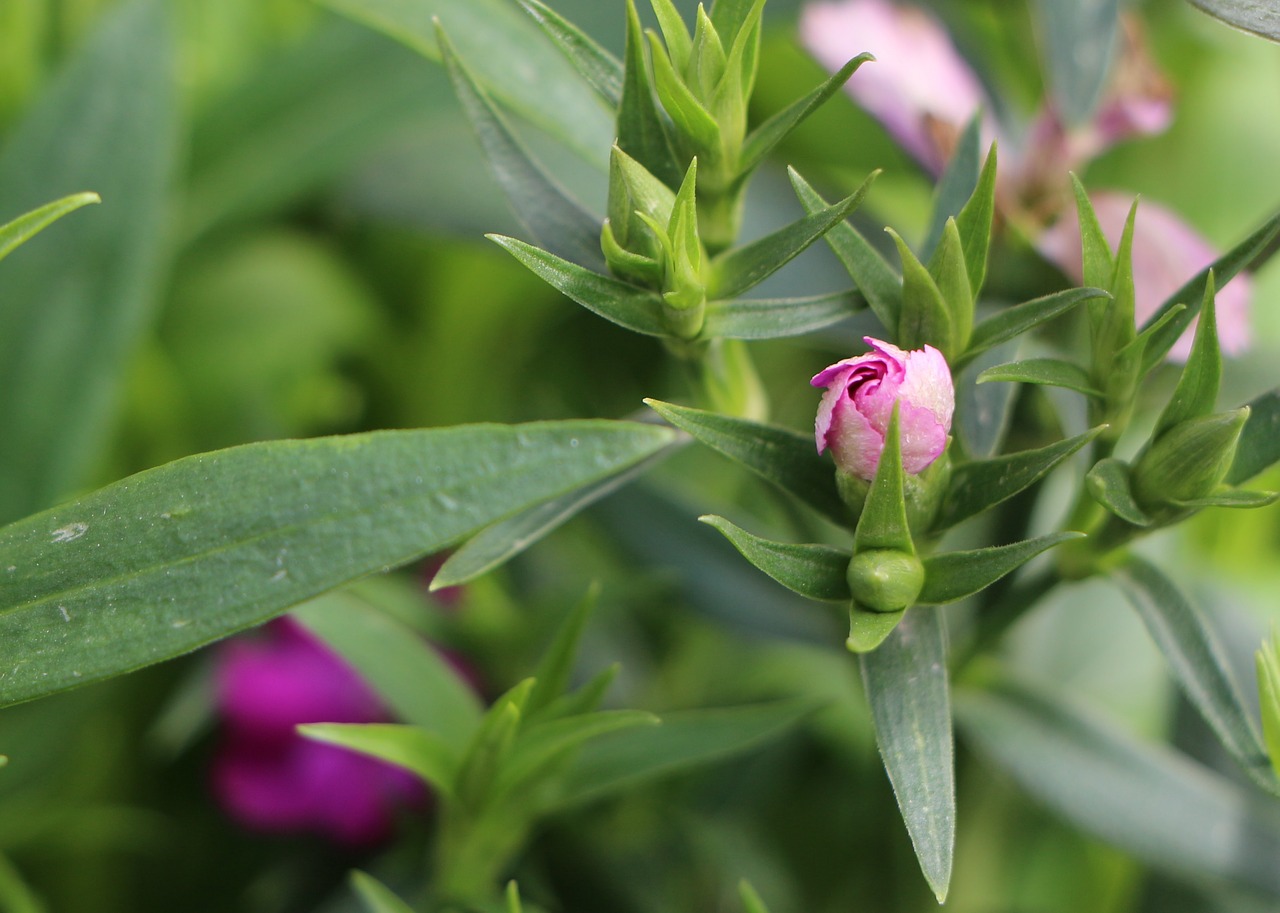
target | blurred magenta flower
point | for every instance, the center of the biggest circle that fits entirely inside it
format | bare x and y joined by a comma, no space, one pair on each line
271,779
855,409
924,93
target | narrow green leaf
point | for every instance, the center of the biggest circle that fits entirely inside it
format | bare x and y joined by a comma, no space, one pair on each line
951,275
868,629
762,140
418,684
789,460
27,226
686,111
1197,663
1050,372
491,747
686,739
906,684
954,575
974,223
741,268
1095,251
983,411
1197,390
597,66
494,545
674,32
1111,323
513,898
629,306
206,546
543,745
870,272
957,184
751,902
554,219
377,897
423,753
815,571
776,318
584,700
79,298
1267,662
1108,484
642,131
1157,805
1012,322
924,317
551,678
981,484
729,16
1259,445
1224,269
1233,498
1078,42
883,523
1259,18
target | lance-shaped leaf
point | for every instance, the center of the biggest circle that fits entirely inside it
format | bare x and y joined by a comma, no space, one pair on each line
554,219
957,184
762,140
981,484
1108,484
906,685
925,317
951,274
1012,322
1049,372
1232,497
1267,662
815,571
1144,798
737,270
173,558
1224,269
1259,444
597,66
983,412
789,460
775,318
376,896
642,131
1197,390
418,751
1261,19
687,112
871,272
629,306
883,522
491,746
974,224
551,678
30,224
1097,260
954,575
1078,42
751,902
1197,663
545,745
674,32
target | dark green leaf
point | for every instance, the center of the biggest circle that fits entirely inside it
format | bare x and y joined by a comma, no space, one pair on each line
981,484
417,683
1051,372
637,309
1143,798
1108,484
27,226
1079,40
173,558
815,571
868,629
685,740
883,522
955,575
951,275
1197,390
741,268
1259,445
1224,270
957,184
906,685
762,140
761,318
1257,16
789,460
1012,322
870,272
424,753
1197,663
551,678
924,317
542,745
974,223
1233,498
596,65
376,896
79,298
556,221
642,131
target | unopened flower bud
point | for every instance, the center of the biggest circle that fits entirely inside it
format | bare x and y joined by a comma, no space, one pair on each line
885,580
1188,461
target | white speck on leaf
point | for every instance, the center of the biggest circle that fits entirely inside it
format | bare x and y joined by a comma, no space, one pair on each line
62,610
70,532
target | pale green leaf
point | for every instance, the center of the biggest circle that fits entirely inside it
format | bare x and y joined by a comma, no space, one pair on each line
423,753
27,226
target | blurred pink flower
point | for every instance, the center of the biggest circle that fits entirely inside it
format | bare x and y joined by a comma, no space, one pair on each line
270,778
855,409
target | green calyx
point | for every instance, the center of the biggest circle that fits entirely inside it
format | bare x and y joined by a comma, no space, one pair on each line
1187,462
885,580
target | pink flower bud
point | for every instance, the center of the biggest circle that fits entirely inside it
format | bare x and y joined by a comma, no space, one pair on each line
855,410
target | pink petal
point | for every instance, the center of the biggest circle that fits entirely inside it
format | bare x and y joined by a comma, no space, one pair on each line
855,443
928,386
922,437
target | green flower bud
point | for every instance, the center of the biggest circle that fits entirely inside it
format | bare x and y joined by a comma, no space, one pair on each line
636,197
885,580
1187,462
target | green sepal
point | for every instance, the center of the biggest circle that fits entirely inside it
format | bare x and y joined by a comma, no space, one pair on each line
1268,666
708,61
26,226
642,130
630,267
1012,322
602,71
420,752
787,459
868,629
954,575
949,271
774,318
639,310
1197,390
632,190
551,678
491,745
925,318
1049,372
814,571
376,896
1109,484
741,268
980,484
883,523
1234,498
1187,462
974,224
693,121
1095,251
